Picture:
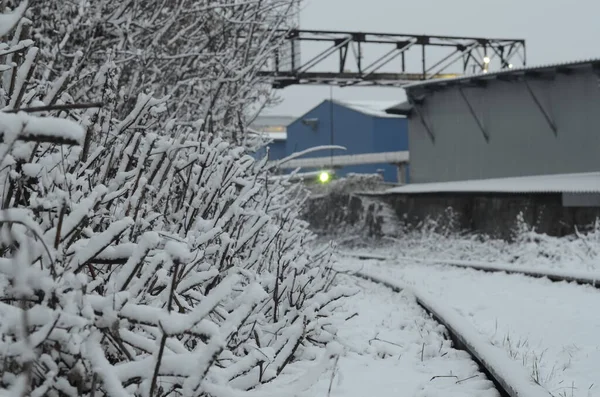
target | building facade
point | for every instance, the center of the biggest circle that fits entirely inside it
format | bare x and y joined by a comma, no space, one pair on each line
531,121
273,128
359,126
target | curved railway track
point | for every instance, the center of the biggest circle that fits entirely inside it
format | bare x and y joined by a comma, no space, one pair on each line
510,378
582,278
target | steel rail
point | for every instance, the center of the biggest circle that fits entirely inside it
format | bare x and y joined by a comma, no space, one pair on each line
581,278
510,378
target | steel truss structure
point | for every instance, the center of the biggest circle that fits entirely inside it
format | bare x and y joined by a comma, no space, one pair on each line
462,54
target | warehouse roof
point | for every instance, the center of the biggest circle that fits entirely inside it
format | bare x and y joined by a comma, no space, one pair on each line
271,120
371,108
403,109
554,67
276,136
588,182
271,126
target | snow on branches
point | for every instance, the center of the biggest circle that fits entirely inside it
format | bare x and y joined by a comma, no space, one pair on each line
203,54
143,255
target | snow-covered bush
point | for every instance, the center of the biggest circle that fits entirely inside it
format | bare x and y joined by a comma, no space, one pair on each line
580,251
205,55
142,254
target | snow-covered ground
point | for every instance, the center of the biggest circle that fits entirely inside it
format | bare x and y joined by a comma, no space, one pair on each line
394,349
552,328
579,253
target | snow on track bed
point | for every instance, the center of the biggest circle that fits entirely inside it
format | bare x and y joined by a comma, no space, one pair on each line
552,328
385,341
579,277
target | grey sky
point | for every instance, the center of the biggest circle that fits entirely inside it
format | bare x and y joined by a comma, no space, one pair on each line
555,30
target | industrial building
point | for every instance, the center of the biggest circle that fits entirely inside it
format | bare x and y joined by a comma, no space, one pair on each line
273,128
363,128
510,123
494,146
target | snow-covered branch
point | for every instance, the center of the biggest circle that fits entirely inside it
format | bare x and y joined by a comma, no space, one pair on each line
152,255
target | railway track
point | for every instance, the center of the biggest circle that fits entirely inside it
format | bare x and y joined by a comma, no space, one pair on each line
510,378
582,278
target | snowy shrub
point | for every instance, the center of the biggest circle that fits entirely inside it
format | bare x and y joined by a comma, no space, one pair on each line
580,251
141,253
205,55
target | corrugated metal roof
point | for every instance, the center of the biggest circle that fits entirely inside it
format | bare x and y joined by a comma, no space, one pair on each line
491,75
588,182
371,108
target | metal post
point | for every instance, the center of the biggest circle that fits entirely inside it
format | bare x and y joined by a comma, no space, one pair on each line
403,62
331,136
423,61
359,60
293,55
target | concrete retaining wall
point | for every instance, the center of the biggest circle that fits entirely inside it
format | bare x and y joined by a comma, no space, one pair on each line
493,214
345,214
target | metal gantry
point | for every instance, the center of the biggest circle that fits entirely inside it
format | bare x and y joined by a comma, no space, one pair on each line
453,56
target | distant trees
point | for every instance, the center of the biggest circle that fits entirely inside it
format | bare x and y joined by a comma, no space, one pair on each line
144,253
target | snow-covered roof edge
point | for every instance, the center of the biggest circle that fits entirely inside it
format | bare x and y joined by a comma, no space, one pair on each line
371,108
588,182
276,136
491,75
344,103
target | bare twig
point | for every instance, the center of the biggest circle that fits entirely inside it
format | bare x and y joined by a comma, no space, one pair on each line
333,373
62,107
443,376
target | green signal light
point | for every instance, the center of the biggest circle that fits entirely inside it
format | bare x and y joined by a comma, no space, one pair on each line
324,177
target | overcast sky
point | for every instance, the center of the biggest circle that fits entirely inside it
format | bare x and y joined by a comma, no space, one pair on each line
555,31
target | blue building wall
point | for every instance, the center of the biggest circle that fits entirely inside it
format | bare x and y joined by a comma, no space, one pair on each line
277,150
350,129
358,132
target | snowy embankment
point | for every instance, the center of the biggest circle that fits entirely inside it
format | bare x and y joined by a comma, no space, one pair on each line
393,348
551,328
578,254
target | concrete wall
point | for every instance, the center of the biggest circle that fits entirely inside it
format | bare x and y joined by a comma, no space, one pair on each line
492,214
358,132
521,140
342,214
